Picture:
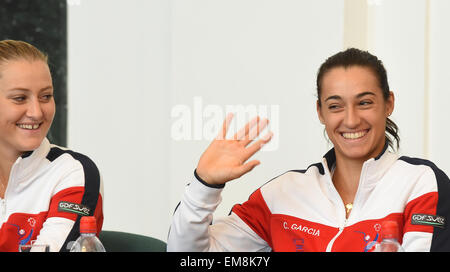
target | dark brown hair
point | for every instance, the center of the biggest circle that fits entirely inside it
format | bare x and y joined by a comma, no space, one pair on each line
357,57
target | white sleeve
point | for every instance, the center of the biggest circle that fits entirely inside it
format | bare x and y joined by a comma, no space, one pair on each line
191,228
80,187
417,241
54,232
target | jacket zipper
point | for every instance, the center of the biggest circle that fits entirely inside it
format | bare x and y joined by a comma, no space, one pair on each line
341,229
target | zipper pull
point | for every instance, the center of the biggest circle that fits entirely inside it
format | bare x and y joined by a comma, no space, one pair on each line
344,225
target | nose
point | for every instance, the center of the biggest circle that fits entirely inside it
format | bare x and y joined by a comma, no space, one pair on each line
34,110
352,118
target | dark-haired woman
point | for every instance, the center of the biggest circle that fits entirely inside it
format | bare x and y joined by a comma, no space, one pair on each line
338,204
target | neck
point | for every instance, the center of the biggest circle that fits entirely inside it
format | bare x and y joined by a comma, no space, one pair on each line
4,177
346,177
348,171
7,160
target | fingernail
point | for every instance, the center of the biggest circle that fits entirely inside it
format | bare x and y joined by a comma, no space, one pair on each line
267,136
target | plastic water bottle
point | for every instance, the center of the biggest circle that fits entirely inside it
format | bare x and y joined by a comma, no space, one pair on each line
389,238
88,241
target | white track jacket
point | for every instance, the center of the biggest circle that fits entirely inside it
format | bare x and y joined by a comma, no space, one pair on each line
301,210
49,189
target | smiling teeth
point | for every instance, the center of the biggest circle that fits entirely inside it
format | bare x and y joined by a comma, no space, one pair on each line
24,126
354,135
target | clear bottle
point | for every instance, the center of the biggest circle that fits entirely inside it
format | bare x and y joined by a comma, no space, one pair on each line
88,241
389,238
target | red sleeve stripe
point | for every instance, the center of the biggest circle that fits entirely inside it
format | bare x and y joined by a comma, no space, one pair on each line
91,193
424,204
255,213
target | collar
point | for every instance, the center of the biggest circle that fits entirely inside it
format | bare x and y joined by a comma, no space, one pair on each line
372,170
26,164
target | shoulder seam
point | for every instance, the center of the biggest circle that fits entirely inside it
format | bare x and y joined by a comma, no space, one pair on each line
318,165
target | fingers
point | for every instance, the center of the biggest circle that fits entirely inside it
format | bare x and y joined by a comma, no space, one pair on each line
255,131
226,124
252,149
251,130
243,132
245,168
246,134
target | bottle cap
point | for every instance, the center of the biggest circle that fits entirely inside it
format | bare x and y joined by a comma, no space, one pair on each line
88,224
389,230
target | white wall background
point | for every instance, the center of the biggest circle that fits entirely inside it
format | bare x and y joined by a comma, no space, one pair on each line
134,63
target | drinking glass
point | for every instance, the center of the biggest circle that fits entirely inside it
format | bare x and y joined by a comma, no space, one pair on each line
33,247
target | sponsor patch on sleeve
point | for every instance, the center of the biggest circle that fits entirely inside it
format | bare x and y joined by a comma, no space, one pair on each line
64,206
428,220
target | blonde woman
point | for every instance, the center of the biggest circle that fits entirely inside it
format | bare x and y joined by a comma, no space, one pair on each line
44,189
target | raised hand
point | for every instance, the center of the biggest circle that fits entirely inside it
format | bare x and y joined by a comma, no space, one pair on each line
225,160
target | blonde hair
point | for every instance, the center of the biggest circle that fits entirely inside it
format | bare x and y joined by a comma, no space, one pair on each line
19,50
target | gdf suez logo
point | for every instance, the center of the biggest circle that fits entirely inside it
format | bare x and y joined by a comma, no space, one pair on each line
428,220
64,206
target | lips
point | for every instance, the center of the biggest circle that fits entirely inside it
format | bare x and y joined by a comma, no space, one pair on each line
354,135
29,126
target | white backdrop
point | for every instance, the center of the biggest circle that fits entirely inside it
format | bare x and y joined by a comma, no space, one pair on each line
150,79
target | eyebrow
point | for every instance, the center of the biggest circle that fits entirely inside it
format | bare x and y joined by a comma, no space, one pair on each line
337,97
28,90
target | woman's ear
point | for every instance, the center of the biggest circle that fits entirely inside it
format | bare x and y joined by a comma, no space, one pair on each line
390,104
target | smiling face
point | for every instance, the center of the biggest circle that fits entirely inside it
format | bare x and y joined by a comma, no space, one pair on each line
27,106
354,112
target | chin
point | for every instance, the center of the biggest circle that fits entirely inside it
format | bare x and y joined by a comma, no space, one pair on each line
29,145
356,153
